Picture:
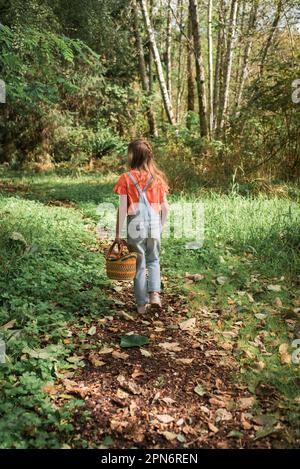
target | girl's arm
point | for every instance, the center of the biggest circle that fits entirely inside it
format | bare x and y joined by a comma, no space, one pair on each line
121,216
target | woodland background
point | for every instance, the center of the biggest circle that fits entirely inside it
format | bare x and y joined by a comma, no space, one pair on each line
210,82
213,85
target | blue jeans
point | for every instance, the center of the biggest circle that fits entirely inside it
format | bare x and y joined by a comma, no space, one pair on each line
148,251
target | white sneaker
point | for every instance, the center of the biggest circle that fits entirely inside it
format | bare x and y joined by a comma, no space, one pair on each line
155,300
141,309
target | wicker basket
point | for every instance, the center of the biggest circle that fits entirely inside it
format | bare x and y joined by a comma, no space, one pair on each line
120,266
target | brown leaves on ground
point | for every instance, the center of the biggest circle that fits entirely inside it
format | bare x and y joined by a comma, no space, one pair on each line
176,391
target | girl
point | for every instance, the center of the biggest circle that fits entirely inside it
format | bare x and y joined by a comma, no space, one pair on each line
143,199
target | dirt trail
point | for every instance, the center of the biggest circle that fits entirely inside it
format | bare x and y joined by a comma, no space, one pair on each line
177,391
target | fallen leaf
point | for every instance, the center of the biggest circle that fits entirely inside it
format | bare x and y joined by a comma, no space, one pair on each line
137,373
263,432
107,441
205,409
170,346
106,350
168,400
199,389
223,415
133,341
245,424
165,418
49,389
260,365
261,315
126,316
212,427
95,361
185,361
129,385
227,346
285,357
275,288
145,353
217,402
180,422
188,324
170,436
222,444
194,277
92,330
118,425
70,384
47,354
245,402
66,396
250,298
120,355
122,394
8,325
235,434
278,302
15,236
221,280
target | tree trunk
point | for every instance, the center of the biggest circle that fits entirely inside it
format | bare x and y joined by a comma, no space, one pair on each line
190,75
219,62
248,47
242,34
143,70
210,67
158,64
169,50
271,36
228,61
180,53
150,62
200,73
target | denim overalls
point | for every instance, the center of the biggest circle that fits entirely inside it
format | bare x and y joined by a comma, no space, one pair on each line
143,236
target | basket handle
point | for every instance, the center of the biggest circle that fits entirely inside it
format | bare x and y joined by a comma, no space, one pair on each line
120,247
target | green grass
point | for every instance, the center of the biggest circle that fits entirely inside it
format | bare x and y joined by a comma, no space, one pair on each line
50,277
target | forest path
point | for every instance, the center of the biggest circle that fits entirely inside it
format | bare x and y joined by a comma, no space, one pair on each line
176,391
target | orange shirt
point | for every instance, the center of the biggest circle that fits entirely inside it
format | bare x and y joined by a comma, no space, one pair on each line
155,193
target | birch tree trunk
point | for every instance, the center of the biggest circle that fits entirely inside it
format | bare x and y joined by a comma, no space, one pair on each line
169,50
162,82
150,62
271,36
242,34
143,70
228,63
248,47
219,62
190,75
180,54
200,73
210,67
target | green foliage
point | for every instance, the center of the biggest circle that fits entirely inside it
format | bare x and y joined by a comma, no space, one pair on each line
45,258
48,254
57,84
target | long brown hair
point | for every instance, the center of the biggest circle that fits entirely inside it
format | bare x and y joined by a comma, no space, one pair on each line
141,157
